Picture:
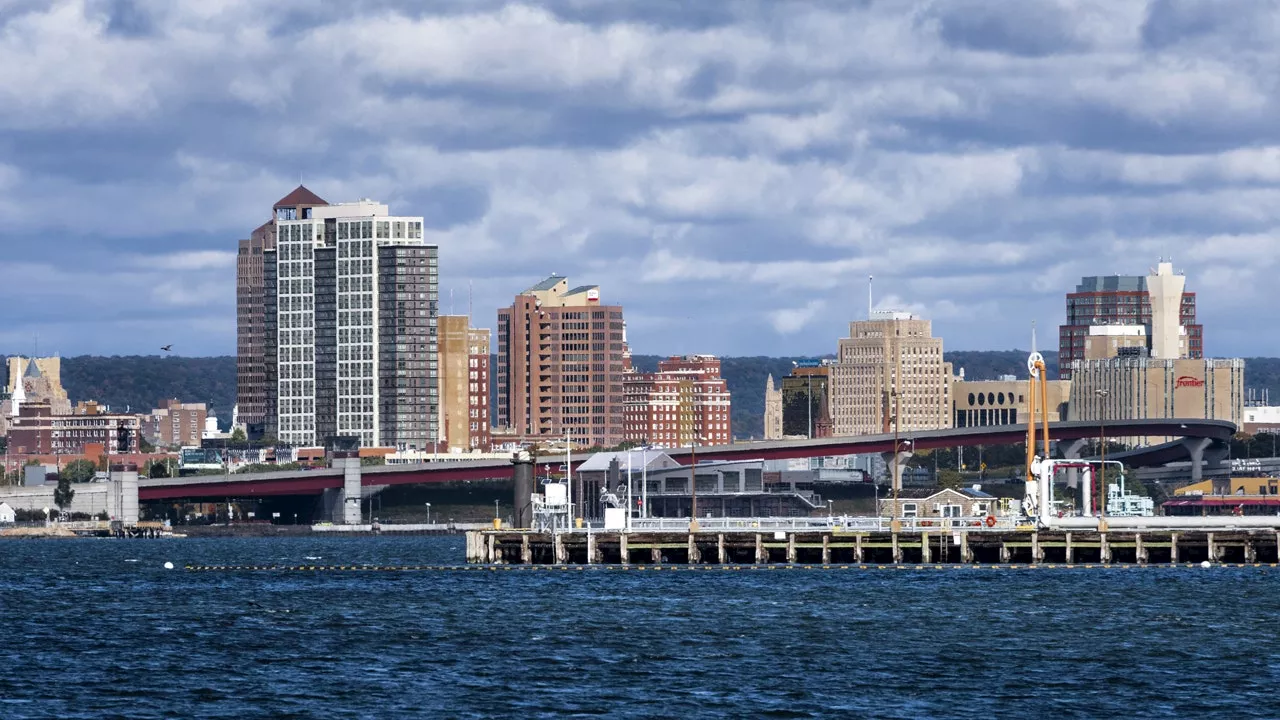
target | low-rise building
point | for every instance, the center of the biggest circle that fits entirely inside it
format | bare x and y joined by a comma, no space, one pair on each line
980,403
1140,388
37,431
945,503
175,424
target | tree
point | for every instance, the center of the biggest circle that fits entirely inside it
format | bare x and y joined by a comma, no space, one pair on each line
238,436
145,445
63,494
77,471
158,469
948,478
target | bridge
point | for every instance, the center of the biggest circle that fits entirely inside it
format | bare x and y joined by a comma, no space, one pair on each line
1198,439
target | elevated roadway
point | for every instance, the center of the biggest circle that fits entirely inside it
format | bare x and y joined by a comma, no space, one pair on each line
1196,436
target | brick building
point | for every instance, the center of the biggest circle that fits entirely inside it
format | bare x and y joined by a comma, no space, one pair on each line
175,423
37,431
562,357
685,401
464,384
478,389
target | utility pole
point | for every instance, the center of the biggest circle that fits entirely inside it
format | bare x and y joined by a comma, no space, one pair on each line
693,484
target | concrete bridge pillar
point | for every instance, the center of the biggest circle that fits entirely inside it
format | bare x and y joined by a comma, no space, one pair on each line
895,469
349,462
1195,448
124,491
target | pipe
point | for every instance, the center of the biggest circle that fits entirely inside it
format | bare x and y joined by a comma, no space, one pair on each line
1256,522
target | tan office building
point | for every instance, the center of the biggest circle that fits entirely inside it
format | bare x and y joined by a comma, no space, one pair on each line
981,403
1145,388
464,384
891,352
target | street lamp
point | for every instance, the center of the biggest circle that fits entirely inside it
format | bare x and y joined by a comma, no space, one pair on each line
1102,435
828,508
495,509
428,513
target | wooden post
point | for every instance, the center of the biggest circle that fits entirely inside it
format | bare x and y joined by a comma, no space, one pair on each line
1140,552
791,547
526,553
721,556
558,549
857,547
1036,554
924,547
1070,550
1173,548
761,556
1004,552
1213,551
966,555
1250,552
1104,550
694,556
591,548
490,556
623,550
826,549
655,555
897,551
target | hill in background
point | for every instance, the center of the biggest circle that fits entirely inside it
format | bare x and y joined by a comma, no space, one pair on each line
137,383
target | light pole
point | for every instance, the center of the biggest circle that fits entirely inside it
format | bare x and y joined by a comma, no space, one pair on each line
1102,435
829,514
693,485
495,509
428,513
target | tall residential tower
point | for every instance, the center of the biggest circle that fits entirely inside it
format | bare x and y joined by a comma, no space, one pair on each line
350,327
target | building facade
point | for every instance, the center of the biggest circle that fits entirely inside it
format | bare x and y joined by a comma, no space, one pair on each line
251,305
478,389
890,363
562,357
980,403
1126,315
175,423
684,402
464,384
351,348
37,431
36,380
1139,388
806,400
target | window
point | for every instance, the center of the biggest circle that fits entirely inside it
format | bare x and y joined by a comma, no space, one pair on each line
909,510
949,511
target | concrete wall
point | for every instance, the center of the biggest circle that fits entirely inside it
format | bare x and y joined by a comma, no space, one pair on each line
90,498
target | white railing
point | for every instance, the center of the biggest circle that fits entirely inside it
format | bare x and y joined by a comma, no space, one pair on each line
837,523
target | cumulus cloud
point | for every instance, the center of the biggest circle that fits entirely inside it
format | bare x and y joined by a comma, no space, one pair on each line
708,164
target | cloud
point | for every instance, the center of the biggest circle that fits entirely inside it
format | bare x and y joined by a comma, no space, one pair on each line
707,164
788,321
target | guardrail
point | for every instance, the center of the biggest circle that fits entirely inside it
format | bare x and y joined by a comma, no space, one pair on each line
837,523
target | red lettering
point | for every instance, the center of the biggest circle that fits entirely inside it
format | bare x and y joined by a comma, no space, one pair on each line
1188,381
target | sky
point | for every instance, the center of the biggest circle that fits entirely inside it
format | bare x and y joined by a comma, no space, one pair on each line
730,172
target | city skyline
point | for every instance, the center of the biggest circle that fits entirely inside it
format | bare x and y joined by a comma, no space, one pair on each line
732,174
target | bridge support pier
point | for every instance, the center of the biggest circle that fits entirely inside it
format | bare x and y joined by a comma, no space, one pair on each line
349,462
124,490
895,469
1195,448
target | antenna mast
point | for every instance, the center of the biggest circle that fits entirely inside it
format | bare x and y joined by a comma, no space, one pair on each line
870,278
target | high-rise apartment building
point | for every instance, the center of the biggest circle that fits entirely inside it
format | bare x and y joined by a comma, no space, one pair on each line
350,327
562,357
890,363
684,402
251,307
1126,315
478,389
464,384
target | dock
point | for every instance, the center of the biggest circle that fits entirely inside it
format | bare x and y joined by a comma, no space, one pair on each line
748,545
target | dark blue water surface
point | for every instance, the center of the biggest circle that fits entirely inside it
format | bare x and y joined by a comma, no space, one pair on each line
97,628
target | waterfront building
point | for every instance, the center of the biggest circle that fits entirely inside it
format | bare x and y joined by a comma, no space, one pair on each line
945,503
464,384
1140,388
562,358
176,423
350,327
38,431
806,400
36,380
890,363
684,402
979,403
1127,315
772,411
251,306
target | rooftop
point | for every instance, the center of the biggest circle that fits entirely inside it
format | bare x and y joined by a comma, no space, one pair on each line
300,196
547,284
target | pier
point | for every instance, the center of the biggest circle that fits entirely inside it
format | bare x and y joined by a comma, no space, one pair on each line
761,542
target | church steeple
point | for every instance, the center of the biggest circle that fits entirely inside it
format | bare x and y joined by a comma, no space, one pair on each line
19,395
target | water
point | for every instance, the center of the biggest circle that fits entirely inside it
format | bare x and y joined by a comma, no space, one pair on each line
97,628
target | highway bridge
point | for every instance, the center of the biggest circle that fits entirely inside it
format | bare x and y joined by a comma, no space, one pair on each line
1196,440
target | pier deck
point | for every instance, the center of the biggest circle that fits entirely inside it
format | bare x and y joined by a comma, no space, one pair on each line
1000,546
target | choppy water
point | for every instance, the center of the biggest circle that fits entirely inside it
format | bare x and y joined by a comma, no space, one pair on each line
99,629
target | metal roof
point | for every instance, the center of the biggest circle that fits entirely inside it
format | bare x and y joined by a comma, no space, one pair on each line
546,284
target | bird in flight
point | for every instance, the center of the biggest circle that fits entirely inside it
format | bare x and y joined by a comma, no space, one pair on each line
167,348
